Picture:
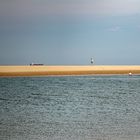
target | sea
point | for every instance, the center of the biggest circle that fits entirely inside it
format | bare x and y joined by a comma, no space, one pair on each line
70,108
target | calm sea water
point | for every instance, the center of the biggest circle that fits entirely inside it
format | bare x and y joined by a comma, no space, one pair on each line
70,108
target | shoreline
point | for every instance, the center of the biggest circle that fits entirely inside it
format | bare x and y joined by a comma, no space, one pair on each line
8,71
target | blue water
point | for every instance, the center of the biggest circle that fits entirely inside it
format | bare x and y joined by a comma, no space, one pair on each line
70,108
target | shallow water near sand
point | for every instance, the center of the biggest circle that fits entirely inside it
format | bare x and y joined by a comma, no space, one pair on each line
70,108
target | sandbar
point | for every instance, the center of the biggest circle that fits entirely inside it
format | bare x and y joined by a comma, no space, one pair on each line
46,70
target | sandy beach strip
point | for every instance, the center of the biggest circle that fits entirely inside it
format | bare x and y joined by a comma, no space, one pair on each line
68,70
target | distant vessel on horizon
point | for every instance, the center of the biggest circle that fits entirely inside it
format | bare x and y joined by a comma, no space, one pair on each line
92,61
36,64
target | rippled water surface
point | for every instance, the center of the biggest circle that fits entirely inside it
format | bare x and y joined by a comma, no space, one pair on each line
70,108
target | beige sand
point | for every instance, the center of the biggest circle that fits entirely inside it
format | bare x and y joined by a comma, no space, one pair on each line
67,70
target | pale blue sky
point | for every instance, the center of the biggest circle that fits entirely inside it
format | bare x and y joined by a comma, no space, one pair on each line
69,32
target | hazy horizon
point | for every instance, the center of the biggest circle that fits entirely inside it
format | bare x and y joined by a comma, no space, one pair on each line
69,32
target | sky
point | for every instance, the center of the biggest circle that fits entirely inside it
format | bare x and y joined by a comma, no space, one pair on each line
70,32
